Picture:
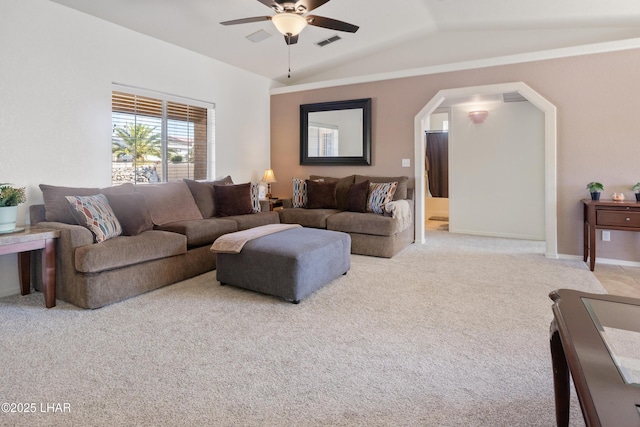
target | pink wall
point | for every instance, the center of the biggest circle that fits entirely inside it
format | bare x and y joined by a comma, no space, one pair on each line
596,97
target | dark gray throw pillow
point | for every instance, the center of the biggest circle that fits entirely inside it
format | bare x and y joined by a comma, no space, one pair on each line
233,199
357,197
321,195
132,212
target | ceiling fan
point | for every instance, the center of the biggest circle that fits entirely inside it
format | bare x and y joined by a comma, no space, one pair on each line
290,18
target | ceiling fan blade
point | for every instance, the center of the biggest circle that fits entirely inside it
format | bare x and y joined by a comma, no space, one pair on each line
291,39
247,20
309,5
332,24
269,3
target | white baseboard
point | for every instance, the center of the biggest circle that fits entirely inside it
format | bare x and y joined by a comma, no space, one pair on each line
600,260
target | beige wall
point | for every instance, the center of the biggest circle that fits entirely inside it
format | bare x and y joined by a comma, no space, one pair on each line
597,97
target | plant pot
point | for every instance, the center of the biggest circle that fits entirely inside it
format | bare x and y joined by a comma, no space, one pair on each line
8,215
638,197
595,195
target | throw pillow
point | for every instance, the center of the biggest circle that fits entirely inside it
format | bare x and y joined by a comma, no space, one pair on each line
380,193
357,197
233,199
169,202
342,187
401,190
95,213
132,213
255,196
299,193
202,192
321,195
57,207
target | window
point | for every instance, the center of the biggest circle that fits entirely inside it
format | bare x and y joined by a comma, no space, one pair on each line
159,139
323,140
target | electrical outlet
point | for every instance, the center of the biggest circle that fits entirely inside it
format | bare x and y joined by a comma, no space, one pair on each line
606,236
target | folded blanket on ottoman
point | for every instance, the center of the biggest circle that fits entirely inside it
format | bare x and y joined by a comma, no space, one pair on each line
232,243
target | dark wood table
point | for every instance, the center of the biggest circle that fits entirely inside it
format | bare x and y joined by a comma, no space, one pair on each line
582,338
607,215
31,239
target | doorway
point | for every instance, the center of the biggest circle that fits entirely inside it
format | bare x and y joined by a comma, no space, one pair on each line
421,124
437,171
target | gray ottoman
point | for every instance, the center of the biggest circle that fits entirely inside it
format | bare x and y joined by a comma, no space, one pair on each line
290,264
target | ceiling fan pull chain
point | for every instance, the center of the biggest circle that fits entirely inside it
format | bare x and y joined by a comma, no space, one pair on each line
289,46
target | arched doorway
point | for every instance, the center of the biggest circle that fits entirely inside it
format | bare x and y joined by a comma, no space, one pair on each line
550,142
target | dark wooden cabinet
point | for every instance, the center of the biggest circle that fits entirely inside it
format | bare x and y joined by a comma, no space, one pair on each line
608,215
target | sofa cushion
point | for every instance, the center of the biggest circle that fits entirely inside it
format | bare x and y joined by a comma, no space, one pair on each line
202,192
380,193
245,222
401,190
357,197
94,213
201,232
321,195
363,223
342,187
57,207
169,202
316,218
233,199
132,212
122,251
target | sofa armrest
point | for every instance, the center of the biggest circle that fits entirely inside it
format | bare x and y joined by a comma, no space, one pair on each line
287,203
73,236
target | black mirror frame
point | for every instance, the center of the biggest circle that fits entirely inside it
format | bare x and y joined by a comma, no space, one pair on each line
364,160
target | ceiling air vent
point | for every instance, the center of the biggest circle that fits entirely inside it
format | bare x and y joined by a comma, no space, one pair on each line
258,36
330,40
513,97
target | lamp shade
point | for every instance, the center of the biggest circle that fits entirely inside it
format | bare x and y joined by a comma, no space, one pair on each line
268,176
289,23
478,116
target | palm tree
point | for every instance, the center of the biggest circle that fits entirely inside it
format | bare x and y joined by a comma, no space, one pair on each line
139,141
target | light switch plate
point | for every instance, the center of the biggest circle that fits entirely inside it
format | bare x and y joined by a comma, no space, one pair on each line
406,163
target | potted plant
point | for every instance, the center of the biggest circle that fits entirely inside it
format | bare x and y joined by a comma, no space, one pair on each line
636,188
10,198
595,188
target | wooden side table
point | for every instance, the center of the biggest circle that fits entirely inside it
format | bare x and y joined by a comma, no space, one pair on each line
608,215
31,239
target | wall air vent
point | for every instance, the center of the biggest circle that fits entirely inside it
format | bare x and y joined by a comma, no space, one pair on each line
513,97
330,40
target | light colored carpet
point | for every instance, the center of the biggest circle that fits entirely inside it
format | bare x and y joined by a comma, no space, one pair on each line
450,333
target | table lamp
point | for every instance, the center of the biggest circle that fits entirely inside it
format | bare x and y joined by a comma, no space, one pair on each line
268,177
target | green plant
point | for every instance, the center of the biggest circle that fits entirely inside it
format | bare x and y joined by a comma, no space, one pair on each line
176,159
11,196
595,187
636,187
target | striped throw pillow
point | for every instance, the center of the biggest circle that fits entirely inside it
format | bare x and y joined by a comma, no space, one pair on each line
380,193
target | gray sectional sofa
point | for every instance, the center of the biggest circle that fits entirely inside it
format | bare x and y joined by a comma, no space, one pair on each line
167,232
371,234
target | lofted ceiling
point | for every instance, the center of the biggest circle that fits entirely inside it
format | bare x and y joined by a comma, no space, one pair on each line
393,36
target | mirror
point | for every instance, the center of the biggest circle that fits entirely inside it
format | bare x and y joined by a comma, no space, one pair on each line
336,133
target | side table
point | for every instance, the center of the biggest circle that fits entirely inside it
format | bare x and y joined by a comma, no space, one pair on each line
23,242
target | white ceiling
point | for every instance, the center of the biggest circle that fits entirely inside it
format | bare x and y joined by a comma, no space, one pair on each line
393,35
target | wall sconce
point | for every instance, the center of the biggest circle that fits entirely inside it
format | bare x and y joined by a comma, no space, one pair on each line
268,177
478,116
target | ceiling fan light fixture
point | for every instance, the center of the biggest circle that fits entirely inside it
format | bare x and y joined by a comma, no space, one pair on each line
289,23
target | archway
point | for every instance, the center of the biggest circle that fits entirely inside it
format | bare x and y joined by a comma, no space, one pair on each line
550,143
